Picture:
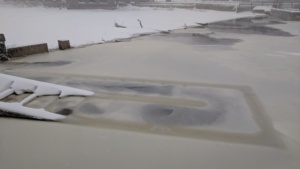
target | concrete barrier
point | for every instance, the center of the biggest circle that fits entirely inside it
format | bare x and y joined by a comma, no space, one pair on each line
64,44
2,38
3,55
2,44
96,4
54,4
27,50
2,48
218,7
288,15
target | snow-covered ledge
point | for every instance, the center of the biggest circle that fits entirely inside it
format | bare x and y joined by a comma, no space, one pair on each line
11,84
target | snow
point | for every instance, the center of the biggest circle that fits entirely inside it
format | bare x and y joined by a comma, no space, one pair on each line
20,85
263,8
47,25
287,10
36,113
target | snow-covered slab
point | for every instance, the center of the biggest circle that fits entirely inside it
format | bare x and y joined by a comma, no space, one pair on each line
12,84
263,9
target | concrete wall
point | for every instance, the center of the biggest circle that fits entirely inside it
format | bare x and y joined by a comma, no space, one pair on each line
64,44
2,38
285,14
27,50
2,46
218,7
186,6
54,4
87,4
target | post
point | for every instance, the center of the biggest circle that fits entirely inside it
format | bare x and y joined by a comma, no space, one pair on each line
64,44
3,55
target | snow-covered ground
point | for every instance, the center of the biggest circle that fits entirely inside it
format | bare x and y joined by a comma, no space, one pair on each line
26,26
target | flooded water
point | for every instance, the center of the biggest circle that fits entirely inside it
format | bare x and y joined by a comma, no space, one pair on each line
124,87
36,65
208,97
50,64
200,97
246,26
196,39
162,107
179,116
91,109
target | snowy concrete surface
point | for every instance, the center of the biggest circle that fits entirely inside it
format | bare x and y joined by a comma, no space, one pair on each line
48,25
223,77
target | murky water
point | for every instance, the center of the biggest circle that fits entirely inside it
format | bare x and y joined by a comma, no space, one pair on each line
137,110
246,26
179,116
225,111
124,87
91,109
197,39
37,65
181,109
